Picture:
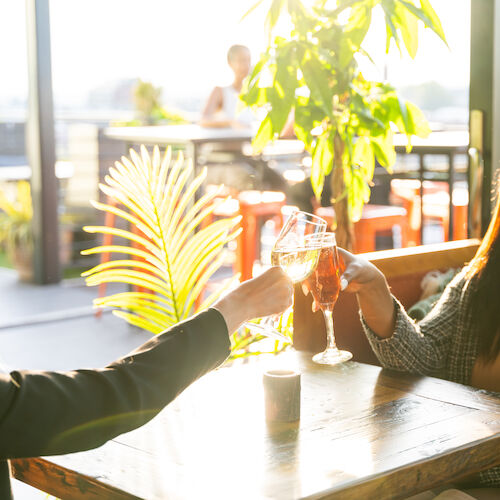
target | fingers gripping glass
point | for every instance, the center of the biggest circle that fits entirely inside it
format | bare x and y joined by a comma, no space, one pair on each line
297,254
324,284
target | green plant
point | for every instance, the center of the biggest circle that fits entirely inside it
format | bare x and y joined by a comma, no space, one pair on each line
171,253
243,342
150,111
344,120
15,220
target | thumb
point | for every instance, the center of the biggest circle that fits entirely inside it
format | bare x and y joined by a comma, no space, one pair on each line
345,258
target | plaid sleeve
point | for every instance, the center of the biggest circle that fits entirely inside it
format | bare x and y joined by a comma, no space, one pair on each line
490,477
420,348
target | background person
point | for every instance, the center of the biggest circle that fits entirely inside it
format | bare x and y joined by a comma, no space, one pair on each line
222,108
227,163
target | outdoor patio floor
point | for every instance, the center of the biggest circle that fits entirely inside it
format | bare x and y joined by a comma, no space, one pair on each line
54,327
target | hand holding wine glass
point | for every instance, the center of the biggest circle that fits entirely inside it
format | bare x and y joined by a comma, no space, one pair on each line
295,254
269,293
295,251
324,284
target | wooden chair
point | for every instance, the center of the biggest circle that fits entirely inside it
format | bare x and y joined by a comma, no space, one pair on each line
374,220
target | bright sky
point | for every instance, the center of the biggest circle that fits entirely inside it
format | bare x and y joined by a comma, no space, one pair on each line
181,46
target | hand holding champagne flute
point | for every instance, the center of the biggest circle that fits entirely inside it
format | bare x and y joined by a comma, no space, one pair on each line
295,254
295,250
324,284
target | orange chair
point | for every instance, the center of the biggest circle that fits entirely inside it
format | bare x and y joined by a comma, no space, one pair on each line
109,221
435,206
374,219
254,208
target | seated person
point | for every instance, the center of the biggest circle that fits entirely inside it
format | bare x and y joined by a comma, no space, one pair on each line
459,340
53,413
228,164
222,107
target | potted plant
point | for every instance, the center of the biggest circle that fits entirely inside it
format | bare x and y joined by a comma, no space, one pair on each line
344,120
16,235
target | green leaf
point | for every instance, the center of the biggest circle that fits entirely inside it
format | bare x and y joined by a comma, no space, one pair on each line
435,22
251,9
428,16
158,198
264,135
358,25
384,150
359,194
409,30
391,31
142,323
364,158
273,15
419,124
307,117
317,78
322,162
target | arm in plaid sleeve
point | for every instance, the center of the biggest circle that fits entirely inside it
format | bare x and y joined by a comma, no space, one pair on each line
419,348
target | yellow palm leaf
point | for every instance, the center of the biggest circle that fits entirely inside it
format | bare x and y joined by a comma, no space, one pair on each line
175,255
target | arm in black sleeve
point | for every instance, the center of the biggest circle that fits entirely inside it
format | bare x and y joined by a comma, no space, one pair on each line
47,413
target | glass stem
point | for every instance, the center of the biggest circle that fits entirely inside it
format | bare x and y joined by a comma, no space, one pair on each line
330,337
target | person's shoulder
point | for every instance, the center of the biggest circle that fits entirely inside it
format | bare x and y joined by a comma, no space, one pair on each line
463,284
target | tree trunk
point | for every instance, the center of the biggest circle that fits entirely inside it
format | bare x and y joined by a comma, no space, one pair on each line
344,233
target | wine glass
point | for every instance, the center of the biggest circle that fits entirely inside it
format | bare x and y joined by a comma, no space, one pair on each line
296,254
324,284
295,249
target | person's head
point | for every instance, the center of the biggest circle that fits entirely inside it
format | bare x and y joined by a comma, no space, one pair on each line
485,268
238,58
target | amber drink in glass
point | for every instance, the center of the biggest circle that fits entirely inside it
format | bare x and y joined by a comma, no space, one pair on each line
324,284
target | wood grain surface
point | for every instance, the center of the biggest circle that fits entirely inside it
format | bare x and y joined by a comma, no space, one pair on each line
364,433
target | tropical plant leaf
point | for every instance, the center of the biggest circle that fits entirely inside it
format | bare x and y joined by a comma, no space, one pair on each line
172,256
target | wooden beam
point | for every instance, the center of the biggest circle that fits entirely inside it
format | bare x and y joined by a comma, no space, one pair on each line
423,258
40,144
484,90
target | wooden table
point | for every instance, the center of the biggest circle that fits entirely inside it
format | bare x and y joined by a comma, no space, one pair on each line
189,136
365,433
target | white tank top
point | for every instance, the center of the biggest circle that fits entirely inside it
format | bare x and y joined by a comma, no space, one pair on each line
233,108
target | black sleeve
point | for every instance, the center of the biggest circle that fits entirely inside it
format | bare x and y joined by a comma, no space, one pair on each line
49,413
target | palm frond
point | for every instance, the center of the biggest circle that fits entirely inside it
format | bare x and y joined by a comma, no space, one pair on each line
171,253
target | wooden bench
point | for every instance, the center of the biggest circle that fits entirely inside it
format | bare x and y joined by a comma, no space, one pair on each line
404,269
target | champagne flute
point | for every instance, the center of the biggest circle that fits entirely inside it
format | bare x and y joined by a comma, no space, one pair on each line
295,249
296,255
324,283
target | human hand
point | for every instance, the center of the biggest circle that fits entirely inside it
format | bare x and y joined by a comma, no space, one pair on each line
270,293
357,275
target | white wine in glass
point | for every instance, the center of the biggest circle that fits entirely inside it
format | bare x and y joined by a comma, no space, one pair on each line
298,263
295,254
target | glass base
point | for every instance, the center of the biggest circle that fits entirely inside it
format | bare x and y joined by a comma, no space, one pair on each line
332,357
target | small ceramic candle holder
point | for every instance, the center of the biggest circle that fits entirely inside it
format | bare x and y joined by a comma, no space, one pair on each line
282,395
